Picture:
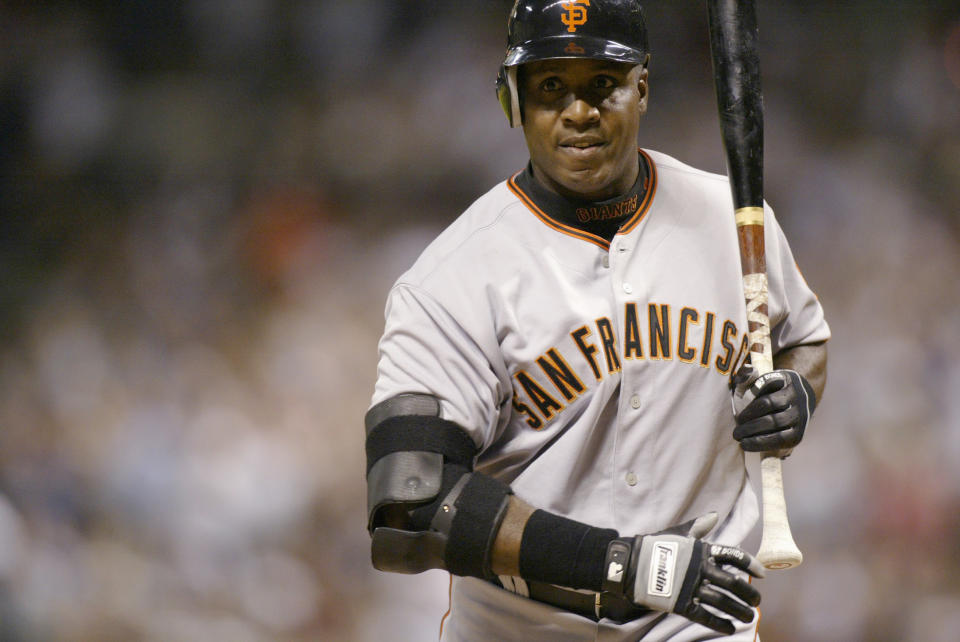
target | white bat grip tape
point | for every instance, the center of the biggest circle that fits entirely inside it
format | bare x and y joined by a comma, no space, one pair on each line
756,295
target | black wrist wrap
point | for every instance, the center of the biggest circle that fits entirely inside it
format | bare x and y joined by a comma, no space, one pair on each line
562,551
480,510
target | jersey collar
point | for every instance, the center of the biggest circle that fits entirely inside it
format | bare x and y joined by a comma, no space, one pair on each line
593,221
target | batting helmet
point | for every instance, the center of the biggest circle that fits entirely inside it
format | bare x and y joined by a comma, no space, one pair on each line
542,29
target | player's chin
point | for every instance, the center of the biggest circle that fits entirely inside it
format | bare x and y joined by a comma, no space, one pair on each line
588,183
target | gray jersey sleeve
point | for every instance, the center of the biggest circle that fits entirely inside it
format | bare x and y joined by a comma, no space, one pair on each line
424,349
796,316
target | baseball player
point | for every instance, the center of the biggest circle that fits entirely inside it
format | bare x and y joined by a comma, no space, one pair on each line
553,421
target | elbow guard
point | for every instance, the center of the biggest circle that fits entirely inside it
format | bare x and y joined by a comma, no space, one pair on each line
426,509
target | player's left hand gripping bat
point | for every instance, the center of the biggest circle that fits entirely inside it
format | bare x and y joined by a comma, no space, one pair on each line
736,67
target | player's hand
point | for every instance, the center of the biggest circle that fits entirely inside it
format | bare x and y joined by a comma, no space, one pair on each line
678,573
772,411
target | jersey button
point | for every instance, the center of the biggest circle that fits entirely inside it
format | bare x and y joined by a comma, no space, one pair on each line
605,260
634,402
632,479
627,288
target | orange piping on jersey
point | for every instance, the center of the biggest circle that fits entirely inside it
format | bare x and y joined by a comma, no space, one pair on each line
600,242
756,631
545,218
449,607
644,207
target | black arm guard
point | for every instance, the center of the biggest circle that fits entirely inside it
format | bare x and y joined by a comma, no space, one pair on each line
421,464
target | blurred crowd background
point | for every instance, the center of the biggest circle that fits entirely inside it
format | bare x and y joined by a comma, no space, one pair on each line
204,202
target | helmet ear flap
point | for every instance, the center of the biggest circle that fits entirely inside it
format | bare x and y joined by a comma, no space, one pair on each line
508,96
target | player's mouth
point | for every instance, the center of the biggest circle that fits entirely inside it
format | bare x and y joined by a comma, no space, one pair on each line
582,146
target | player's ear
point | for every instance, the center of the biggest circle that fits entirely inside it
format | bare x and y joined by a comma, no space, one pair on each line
643,87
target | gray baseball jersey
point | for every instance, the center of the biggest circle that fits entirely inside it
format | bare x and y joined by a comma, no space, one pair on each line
592,375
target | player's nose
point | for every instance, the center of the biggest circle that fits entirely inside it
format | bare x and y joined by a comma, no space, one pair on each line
580,113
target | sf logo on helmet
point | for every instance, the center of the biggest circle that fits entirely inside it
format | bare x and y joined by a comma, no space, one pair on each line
576,14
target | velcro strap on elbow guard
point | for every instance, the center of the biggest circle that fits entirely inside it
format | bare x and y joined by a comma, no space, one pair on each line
477,514
409,433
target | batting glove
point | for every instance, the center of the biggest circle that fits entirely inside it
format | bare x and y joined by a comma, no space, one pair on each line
676,571
772,411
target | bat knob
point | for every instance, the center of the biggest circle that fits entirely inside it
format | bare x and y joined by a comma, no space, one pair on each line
778,561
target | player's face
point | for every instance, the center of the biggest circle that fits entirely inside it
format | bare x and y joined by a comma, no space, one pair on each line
581,120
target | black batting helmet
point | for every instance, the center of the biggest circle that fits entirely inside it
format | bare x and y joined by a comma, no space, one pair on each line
542,29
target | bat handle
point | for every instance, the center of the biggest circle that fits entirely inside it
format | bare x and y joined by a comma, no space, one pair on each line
777,548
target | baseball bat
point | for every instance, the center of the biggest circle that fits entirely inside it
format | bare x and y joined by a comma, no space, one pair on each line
734,39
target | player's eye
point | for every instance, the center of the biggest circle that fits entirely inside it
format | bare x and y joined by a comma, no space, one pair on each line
551,84
604,82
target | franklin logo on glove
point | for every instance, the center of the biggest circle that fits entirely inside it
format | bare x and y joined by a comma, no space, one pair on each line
661,576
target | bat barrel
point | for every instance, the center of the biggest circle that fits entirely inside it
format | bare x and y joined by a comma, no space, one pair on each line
734,42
